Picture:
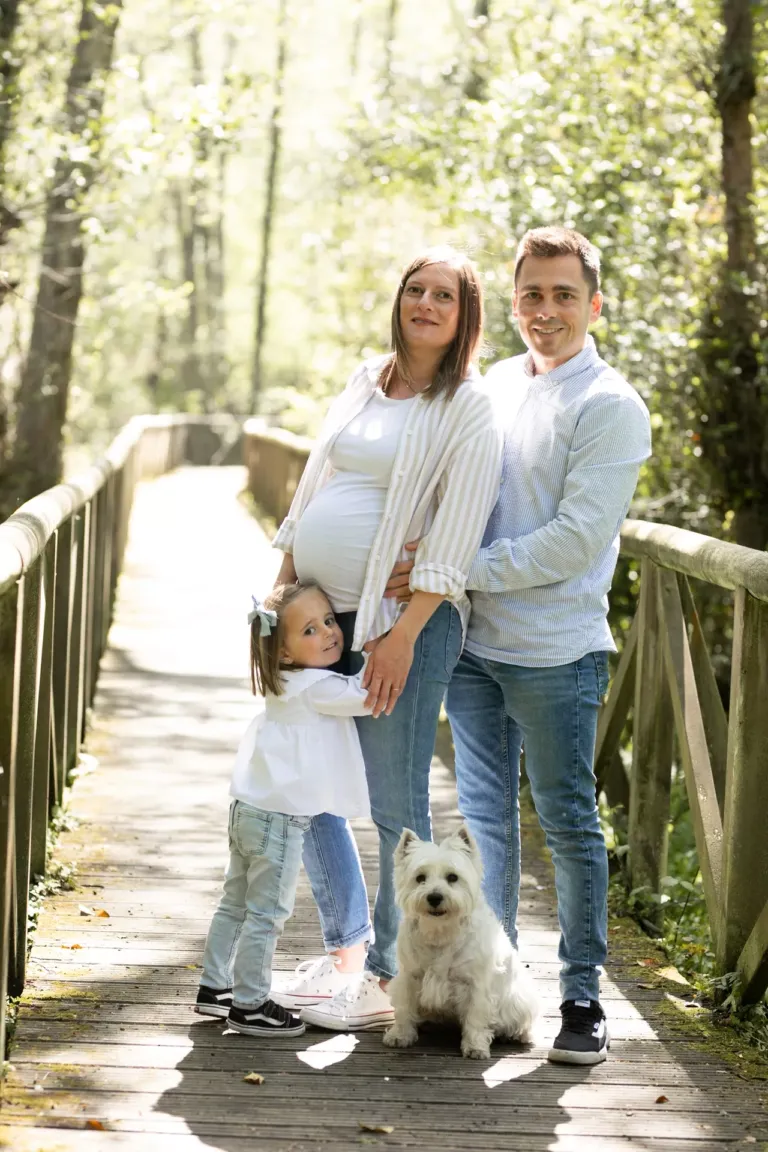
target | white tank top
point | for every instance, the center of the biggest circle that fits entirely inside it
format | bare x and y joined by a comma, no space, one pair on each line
334,536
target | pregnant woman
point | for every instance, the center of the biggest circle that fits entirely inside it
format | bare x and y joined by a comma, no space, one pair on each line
409,450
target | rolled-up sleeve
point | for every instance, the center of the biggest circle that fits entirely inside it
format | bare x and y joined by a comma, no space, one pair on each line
467,491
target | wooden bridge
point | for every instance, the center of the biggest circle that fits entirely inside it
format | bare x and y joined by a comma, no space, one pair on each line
108,1052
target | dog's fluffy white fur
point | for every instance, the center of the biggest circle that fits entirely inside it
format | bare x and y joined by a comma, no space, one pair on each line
455,962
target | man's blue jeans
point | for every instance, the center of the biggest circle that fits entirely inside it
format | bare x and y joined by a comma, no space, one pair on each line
397,751
494,709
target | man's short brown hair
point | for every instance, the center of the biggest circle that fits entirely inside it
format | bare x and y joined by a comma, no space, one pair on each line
555,241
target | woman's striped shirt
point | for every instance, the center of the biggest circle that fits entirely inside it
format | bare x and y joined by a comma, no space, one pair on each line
445,481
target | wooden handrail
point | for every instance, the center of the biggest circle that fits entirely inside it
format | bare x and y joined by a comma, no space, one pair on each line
714,561
60,556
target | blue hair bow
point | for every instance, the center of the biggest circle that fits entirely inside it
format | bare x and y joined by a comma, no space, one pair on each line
266,616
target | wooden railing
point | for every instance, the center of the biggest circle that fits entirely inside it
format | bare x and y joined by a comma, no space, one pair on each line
666,680
60,557
275,461
666,688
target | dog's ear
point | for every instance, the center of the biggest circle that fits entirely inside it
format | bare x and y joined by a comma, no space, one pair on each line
407,842
463,839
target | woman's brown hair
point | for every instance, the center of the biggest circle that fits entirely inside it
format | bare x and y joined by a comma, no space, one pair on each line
266,669
464,347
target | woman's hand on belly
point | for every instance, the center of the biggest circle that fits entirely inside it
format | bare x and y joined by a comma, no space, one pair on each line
287,573
387,670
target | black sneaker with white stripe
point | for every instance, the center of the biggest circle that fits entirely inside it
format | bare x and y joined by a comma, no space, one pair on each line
213,1002
583,1036
269,1019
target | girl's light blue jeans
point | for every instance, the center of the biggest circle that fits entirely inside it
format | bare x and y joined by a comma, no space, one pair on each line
398,751
494,709
259,893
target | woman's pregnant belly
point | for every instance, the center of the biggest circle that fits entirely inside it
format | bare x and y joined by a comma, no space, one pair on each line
334,537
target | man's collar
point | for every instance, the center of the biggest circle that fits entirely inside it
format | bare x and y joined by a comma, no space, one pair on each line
571,367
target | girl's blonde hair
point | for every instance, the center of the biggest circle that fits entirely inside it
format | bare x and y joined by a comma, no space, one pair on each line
266,669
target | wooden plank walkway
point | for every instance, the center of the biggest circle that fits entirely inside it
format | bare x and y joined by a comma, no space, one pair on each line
108,1052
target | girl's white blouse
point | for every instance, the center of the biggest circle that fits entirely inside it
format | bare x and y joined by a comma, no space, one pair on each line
301,756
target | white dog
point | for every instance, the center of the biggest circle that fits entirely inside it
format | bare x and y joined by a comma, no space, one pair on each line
455,961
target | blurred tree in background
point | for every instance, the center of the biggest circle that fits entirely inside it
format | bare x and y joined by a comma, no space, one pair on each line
252,204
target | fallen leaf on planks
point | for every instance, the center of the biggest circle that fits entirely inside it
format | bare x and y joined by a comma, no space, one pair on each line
385,1129
97,1124
253,1078
661,1100
72,947
671,973
102,912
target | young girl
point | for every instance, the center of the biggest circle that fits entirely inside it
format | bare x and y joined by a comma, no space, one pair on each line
298,758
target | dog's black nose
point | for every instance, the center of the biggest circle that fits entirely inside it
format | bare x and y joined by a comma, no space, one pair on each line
435,899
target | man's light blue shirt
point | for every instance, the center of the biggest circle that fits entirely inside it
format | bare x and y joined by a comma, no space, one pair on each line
575,439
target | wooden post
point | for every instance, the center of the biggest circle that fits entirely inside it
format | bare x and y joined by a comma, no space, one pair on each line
11,604
653,733
27,674
746,790
79,576
62,632
45,736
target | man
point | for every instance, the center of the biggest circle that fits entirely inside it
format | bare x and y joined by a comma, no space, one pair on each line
534,668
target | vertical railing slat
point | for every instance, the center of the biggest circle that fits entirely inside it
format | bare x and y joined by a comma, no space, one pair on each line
11,603
44,733
746,789
61,671
75,695
652,744
28,671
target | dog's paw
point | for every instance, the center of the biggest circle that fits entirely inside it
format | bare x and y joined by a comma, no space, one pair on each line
398,1037
476,1045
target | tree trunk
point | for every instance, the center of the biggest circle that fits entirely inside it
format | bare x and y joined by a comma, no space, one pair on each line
736,89
389,39
186,221
357,33
476,84
41,403
9,67
267,220
210,186
734,428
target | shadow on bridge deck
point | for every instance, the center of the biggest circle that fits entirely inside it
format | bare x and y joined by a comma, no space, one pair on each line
108,1051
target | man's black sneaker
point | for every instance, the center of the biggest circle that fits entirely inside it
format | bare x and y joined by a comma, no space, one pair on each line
583,1036
212,1002
269,1019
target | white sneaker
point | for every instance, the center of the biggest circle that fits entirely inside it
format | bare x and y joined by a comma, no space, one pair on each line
361,1007
312,982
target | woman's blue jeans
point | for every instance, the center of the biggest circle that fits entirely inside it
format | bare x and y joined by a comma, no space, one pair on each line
494,709
397,751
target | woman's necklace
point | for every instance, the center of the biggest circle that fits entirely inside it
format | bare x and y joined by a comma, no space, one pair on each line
394,375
